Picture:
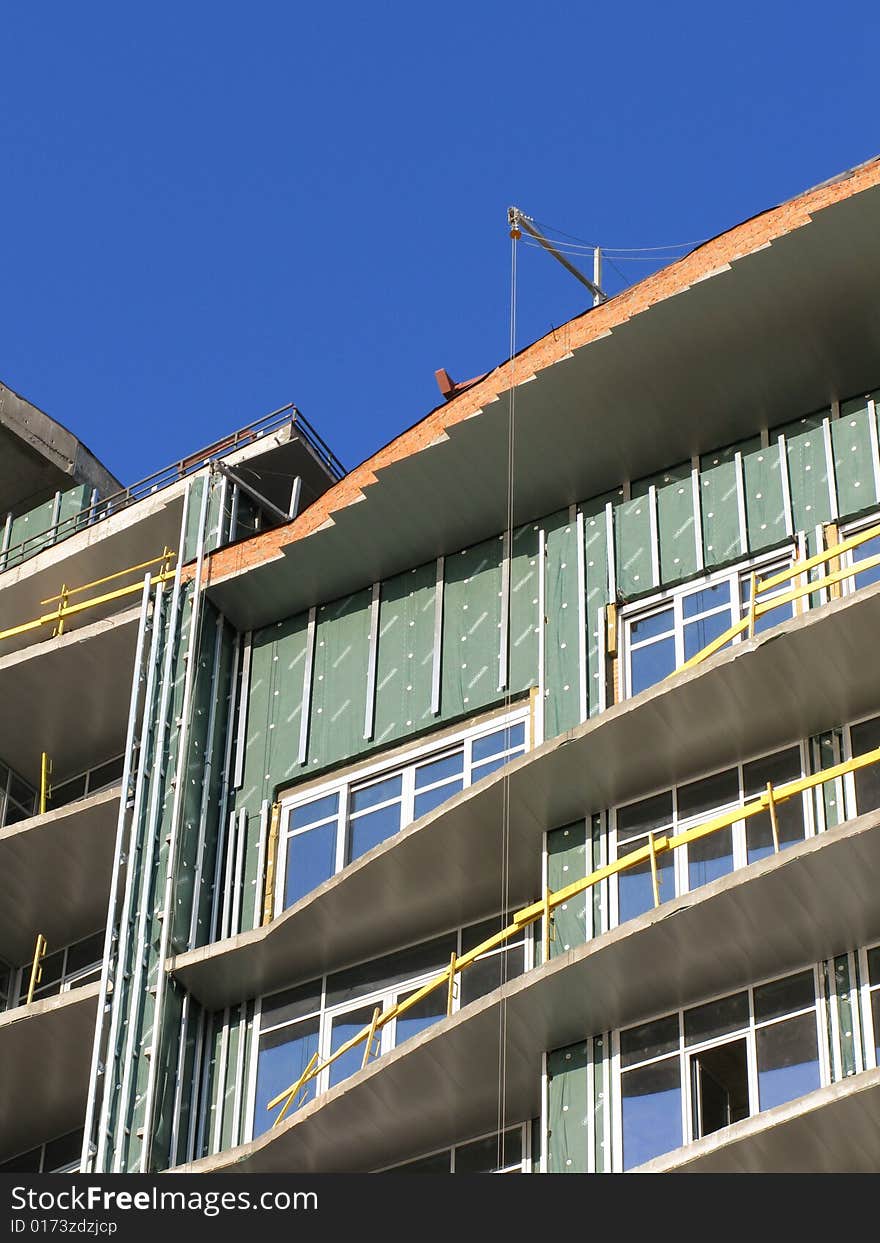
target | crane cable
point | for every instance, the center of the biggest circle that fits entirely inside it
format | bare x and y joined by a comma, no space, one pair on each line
505,785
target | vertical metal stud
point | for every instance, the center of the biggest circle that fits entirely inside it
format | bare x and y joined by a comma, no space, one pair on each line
436,667
370,704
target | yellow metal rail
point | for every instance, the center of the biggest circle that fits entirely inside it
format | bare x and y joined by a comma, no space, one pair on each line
758,608
36,966
768,801
58,617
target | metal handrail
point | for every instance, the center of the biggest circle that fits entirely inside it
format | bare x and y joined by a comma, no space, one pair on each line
768,801
103,507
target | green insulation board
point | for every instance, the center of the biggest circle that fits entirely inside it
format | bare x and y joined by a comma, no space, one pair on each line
633,552
562,621
234,1030
846,1016
566,863
274,709
853,458
675,520
807,472
471,629
719,506
405,655
339,679
568,1109
765,498
523,626
595,589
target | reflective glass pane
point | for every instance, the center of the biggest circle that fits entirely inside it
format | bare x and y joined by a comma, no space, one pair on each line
638,1044
501,740
705,599
649,813
779,768
343,1029
492,766
440,1163
716,1018
62,1153
84,953
708,794
378,792
870,548
293,1003
650,664
651,1107
476,934
699,634
424,1013
866,737
438,770
371,828
652,626
283,1056
779,997
788,1060
709,858
635,888
874,965
311,858
482,1156
382,974
486,974
430,799
311,813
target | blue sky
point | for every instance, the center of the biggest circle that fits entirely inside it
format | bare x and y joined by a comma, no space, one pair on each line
210,210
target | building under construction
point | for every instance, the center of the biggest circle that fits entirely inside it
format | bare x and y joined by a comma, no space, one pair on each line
510,803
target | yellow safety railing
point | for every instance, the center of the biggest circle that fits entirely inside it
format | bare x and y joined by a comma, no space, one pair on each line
37,966
768,801
58,617
45,784
757,608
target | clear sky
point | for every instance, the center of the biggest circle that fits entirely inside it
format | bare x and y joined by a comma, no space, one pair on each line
212,209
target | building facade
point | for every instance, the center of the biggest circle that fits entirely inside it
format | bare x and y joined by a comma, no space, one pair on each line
510,803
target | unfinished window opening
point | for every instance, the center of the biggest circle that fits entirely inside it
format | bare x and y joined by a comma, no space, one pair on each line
719,1087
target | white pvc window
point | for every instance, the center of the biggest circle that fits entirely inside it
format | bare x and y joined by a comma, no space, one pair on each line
702,861
65,968
661,633
693,1072
869,973
322,1016
340,820
870,548
476,1156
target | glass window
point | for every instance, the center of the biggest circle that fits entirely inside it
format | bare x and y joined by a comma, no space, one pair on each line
651,664
424,1013
780,768
651,1111
635,885
716,1018
706,599
373,827
788,1060
378,792
343,1028
719,1086
439,770
870,548
311,859
63,1154
489,973
639,818
866,737
312,813
384,973
283,1056
795,992
653,626
502,740
293,1003
648,1040
710,857
427,800
482,1156
708,794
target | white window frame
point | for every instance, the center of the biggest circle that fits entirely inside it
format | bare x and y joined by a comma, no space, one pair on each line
658,602
406,764
686,1053
870,1036
849,559
681,869
523,1166
65,982
384,998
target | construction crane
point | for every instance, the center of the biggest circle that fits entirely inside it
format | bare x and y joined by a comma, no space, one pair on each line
519,222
